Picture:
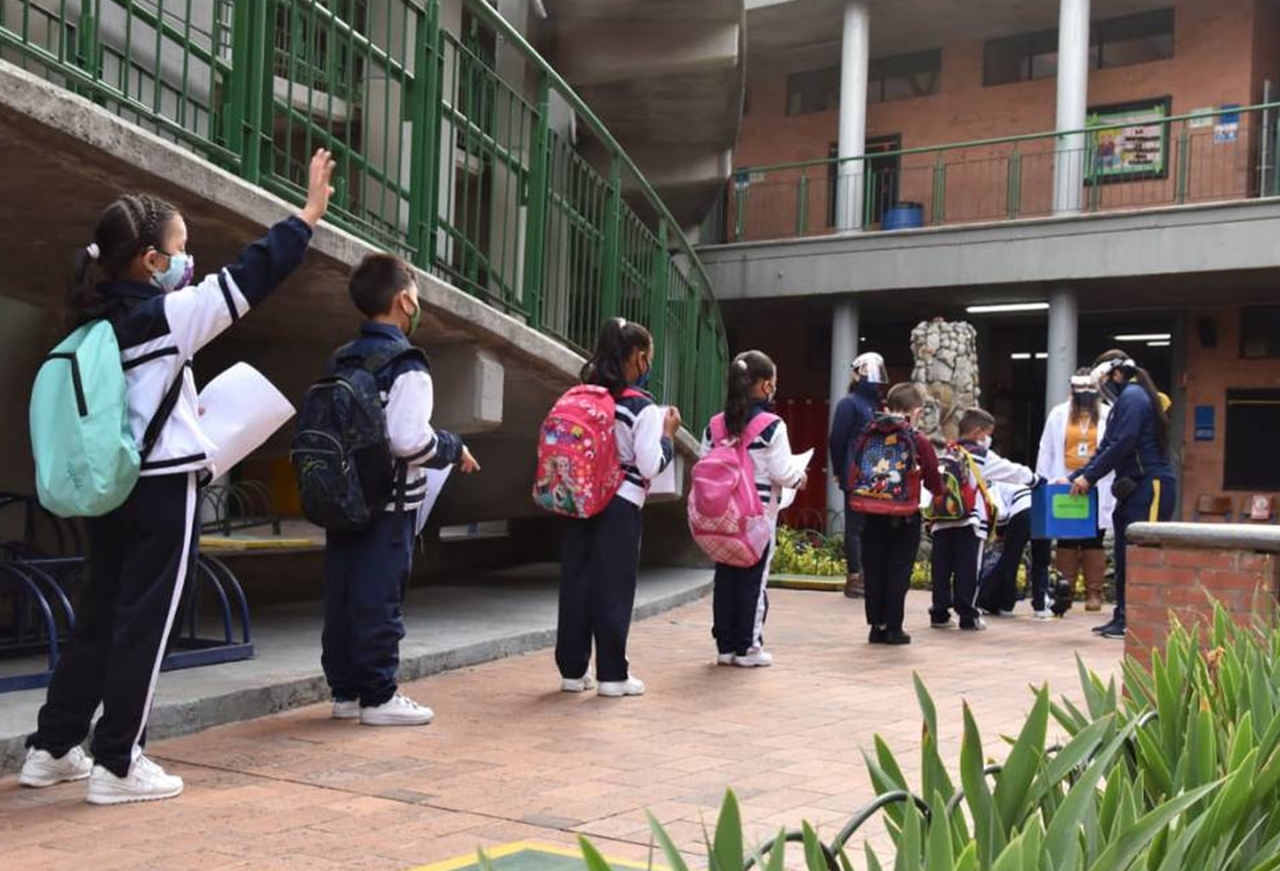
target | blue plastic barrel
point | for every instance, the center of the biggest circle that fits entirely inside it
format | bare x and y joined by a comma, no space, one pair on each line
903,216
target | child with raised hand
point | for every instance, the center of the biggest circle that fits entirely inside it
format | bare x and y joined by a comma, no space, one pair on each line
599,555
137,274
740,602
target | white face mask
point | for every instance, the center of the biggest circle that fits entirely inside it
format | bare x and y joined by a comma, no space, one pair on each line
985,443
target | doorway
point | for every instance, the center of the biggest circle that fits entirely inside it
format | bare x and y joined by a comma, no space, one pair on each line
882,179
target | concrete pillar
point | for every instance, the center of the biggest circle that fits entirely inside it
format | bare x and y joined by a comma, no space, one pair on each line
844,347
855,61
1073,101
1064,317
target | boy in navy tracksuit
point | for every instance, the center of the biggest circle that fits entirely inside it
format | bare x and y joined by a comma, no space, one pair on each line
367,572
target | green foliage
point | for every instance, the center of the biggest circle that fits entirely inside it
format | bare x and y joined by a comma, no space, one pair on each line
1182,770
805,552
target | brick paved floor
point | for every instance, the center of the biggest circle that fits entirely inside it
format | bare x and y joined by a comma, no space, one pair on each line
510,759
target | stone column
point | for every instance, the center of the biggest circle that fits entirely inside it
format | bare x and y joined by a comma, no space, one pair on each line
1064,325
844,347
855,61
1073,101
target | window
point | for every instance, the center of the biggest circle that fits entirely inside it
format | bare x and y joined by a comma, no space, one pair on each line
1117,42
813,91
1251,463
1260,332
900,77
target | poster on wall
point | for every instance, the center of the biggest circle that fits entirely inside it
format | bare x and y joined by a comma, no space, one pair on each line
1128,142
1227,130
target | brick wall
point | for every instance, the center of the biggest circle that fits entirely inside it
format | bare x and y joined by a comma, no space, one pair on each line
1223,51
1181,581
1210,372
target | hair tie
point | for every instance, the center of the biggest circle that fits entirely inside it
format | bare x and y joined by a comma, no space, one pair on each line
740,364
93,250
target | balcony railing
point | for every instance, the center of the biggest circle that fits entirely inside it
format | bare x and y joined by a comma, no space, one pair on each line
465,172
1140,163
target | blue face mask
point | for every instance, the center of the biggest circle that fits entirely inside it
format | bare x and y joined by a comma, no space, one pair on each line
642,383
182,268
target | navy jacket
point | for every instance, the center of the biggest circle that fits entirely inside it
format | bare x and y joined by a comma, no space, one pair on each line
1131,445
853,413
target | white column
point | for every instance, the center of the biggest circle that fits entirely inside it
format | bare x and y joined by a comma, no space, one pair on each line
1064,317
844,347
1073,101
855,61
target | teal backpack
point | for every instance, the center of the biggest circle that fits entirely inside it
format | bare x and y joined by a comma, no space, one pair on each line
87,461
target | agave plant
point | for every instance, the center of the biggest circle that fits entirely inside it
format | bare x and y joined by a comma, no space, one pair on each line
1182,771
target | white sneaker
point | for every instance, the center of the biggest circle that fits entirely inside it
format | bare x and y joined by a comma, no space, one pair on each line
725,658
346,709
614,689
756,658
398,711
41,769
1044,614
146,781
577,685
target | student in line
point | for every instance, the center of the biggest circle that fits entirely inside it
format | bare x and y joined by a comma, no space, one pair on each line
1135,448
599,555
1000,594
366,573
853,412
1072,434
957,544
740,600
137,274
890,544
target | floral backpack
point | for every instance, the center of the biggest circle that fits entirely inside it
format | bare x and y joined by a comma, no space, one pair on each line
578,468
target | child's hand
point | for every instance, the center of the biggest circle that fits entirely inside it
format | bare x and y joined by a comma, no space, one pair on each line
467,463
672,421
804,481
319,187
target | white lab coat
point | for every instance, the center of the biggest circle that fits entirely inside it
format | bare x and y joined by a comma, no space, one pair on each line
1052,463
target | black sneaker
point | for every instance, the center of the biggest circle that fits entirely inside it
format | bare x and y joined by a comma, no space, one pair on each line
1114,629
978,625
879,635
895,637
940,622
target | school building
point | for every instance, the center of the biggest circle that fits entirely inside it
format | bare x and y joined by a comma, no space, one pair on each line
1068,176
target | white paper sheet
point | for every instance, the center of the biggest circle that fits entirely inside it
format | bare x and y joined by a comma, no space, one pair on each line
435,483
799,462
239,411
668,485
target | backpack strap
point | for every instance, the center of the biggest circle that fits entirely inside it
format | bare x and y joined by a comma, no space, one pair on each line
756,426
719,433
161,417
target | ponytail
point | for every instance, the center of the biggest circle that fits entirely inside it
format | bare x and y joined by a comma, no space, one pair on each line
618,340
746,369
127,227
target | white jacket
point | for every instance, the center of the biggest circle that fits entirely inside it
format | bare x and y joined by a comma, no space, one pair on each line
1052,463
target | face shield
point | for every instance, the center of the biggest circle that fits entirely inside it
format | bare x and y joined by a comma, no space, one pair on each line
869,368
1101,376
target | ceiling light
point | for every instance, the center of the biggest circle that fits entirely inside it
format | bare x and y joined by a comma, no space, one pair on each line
1019,356
1007,307
1043,355
1144,337
1161,344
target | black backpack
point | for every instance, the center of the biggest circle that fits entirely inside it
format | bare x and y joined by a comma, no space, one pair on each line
341,455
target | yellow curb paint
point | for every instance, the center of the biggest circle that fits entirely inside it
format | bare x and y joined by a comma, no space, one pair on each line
472,860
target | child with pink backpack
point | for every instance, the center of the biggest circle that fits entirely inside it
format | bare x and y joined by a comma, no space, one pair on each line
733,505
598,449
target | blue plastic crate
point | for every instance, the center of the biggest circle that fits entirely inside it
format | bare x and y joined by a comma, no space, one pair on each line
1056,514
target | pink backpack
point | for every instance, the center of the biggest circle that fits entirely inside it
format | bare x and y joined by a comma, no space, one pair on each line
726,516
578,468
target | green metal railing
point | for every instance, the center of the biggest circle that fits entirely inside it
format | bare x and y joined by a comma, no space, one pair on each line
1223,156
465,170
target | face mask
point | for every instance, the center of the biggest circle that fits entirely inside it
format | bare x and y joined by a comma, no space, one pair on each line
1111,390
643,381
182,268
416,317
1084,399
985,443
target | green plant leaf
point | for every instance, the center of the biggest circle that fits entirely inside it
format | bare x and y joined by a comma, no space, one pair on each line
873,861
668,846
939,855
1122,851
1072,756
910,848
814,857
968,859
1012,789
595,862
728,846
986,826
1062,839
777,855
